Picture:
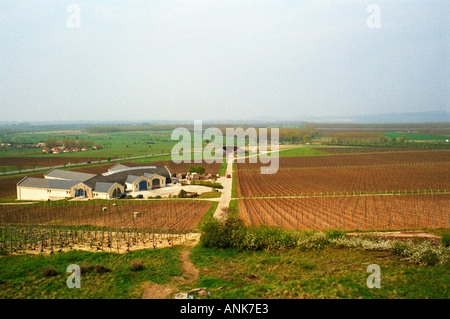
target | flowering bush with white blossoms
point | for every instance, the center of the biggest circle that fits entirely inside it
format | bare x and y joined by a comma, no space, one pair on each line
423,252
233,234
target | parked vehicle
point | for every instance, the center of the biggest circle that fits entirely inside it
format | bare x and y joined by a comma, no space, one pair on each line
228,176
128,197
122,196
140,196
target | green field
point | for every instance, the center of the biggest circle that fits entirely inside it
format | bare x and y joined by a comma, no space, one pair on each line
417,136
121,144
301,151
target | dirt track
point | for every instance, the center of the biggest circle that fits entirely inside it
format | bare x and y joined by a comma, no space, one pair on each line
190,275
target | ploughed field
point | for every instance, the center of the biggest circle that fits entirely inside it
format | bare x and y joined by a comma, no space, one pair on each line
394,190
44,161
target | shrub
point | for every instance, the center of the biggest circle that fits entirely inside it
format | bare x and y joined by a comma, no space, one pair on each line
137,265
445,240
312,240
207,183
220,234
86,268
49,272
333,234
100,269
233,234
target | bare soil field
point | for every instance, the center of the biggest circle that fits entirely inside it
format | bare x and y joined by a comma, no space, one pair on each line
44,161
8,184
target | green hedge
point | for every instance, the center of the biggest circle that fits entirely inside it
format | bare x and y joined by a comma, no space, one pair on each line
207,183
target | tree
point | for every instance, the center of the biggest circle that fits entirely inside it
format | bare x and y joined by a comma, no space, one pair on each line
51,142
403,138
191,169
306,138
200,169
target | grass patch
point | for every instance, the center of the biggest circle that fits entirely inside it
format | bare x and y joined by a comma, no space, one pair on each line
209,214
210,195
327,273
104,275
223,168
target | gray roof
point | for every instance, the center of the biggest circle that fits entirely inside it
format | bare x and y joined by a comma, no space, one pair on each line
149,175
69,175
121,176
101,187
131,178
47,183
116,167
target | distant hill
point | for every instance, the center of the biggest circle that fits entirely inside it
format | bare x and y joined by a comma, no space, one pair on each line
413,117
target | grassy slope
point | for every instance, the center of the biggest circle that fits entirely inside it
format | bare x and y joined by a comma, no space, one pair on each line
328,273
21,276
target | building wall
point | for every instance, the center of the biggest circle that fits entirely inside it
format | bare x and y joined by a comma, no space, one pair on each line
86,188
109,194
32,193
136,183
100,195
162,180
134,187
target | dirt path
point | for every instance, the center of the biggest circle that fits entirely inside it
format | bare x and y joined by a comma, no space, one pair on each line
190,275
227,184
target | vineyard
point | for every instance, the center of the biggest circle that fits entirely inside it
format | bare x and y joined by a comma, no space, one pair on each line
344,180
368,212
367,191
364,160
109,226
361,149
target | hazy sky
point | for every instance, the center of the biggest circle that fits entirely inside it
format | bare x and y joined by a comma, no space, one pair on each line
234,59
